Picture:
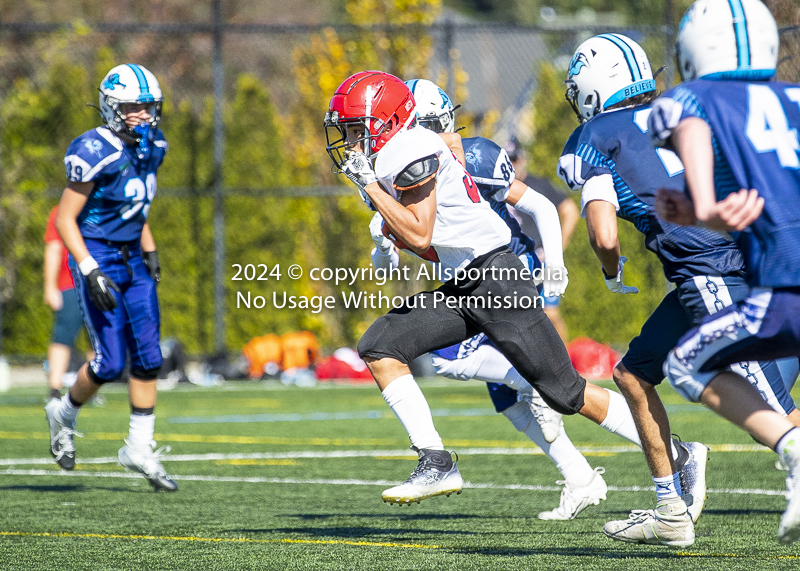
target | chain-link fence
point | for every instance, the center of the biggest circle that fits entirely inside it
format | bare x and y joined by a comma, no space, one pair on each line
789,59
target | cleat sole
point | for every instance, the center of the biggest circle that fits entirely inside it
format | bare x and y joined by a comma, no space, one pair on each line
409,501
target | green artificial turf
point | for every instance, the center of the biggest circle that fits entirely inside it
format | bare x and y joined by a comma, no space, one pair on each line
283,510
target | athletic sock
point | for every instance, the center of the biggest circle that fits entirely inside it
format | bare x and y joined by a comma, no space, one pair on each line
568,460
406,400
788,447
140,431
619,419
55,394
67,413
668,486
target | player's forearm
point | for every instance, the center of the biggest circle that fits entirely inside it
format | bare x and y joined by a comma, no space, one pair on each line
692,142
407,220
601,223
71,236
455,144
52,264
147,241
569,215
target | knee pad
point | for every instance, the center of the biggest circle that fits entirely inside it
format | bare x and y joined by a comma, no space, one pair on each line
520,415
145,375
100,380
686,382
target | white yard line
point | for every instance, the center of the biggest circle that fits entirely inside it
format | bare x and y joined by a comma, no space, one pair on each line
335,482
368,454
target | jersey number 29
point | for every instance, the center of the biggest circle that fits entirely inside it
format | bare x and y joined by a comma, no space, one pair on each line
136,190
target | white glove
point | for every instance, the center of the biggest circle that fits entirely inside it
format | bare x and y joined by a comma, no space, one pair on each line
382,243
358,169
615,284
555,280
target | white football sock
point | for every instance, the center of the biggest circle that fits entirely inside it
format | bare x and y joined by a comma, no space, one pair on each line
619,419
788,447
141,429
406,400
67,414
568,460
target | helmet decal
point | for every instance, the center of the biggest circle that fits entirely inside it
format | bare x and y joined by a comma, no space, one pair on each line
630,59
740,30
144,90
113,81
578,62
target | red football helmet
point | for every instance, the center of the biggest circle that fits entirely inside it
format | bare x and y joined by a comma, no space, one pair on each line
368,108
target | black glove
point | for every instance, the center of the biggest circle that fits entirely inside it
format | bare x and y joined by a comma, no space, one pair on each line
100,286
150,260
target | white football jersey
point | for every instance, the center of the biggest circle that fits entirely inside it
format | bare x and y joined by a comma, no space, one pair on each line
466,226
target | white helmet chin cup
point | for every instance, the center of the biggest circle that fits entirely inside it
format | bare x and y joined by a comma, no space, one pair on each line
129,83
434,107
727,39
605,70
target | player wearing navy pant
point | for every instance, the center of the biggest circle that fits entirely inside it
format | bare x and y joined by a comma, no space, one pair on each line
608,157
102,219
736,133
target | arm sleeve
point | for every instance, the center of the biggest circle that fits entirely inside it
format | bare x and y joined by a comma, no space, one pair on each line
599,188
545,215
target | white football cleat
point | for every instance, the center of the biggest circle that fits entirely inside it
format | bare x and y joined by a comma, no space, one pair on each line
691,464
146,462
669,524
62,443
789,530
436,474
574,501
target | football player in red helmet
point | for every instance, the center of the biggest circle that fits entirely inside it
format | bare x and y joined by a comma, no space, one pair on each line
431,206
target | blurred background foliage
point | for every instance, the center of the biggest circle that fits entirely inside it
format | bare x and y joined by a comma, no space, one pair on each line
274,142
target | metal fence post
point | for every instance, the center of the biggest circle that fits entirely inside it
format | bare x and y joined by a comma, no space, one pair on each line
219,198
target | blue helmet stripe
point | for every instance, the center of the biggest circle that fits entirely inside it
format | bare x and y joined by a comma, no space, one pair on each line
627,52
144,90
740,30
412,83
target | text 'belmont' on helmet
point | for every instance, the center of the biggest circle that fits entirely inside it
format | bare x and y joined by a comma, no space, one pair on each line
434,107
727,39
131,83
367,110
605,70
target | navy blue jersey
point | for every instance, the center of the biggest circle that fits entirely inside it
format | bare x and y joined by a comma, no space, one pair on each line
616,143
125,184
490,167
754,129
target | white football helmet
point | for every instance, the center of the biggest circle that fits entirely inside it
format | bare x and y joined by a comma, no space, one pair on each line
605,70
434,107
130,83
727,39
